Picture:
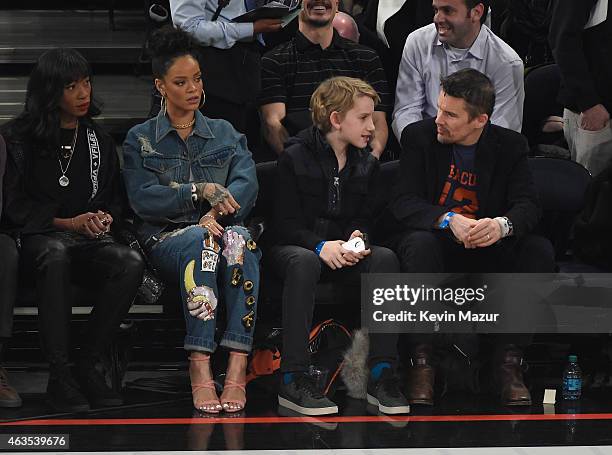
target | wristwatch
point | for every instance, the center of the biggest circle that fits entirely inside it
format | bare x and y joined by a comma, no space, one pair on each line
507,229
446,220
510,225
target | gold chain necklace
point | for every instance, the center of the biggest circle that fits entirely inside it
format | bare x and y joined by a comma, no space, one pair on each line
184,126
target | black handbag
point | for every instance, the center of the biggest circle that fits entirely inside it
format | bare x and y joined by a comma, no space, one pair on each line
151,287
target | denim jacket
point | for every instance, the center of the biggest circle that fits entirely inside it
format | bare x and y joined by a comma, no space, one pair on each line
160,167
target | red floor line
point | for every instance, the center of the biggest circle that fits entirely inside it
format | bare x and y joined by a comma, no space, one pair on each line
337,419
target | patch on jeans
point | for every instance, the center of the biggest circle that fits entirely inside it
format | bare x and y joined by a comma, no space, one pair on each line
145,145
250,301
247,286
201,300
251,245
210,254
248,320
233,248
236,277
211,244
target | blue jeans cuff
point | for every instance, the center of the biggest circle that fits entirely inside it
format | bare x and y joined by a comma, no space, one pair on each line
199,344
237,341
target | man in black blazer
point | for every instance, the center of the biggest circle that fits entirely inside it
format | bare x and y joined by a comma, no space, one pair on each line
466,202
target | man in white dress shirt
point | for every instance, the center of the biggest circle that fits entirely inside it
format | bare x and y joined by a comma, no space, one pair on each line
457,39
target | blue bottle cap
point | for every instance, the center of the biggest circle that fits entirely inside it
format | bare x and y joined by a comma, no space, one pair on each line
573,358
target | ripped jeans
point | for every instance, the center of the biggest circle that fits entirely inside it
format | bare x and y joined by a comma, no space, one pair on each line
227,269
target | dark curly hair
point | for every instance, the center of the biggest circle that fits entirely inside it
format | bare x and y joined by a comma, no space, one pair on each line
39,122
166,45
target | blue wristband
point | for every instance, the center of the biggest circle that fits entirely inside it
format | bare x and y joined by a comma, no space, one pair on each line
446,220
319,247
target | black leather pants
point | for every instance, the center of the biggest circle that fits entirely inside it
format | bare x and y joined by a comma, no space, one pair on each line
111,272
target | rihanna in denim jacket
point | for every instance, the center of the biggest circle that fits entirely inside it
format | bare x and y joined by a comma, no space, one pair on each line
191,182
160,167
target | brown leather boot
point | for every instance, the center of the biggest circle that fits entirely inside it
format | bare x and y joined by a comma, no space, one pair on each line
509,378
9,398
421,376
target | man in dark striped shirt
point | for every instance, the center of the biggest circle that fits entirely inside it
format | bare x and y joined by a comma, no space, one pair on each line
292,71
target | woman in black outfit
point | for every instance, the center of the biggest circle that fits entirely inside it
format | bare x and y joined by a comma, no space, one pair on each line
9,398
62,196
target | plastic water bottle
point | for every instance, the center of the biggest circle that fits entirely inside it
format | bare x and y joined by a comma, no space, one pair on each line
572,379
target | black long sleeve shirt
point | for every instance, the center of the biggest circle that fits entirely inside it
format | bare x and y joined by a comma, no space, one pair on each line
33,196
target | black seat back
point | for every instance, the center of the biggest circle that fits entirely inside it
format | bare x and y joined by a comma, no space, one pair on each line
562,186
266,177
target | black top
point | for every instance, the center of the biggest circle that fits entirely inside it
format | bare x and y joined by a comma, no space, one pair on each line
309,205
293,70
505,184
73,199
33,195
583,56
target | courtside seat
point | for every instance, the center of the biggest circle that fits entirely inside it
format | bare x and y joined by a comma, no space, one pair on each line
561,185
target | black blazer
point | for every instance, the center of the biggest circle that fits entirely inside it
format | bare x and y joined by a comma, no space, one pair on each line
413,15
306,210
505,188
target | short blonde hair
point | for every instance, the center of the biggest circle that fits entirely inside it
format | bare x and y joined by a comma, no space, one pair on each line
337,94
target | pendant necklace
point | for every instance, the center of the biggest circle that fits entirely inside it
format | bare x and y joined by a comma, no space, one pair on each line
64,181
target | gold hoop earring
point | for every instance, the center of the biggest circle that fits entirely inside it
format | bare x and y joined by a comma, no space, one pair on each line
203,100
163,105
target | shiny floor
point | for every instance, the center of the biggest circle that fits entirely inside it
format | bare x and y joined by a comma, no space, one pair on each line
163,421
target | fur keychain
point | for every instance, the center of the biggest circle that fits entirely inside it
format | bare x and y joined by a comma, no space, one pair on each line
354,371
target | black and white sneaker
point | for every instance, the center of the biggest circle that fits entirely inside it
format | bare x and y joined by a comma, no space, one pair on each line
301,395
385,393
316,421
